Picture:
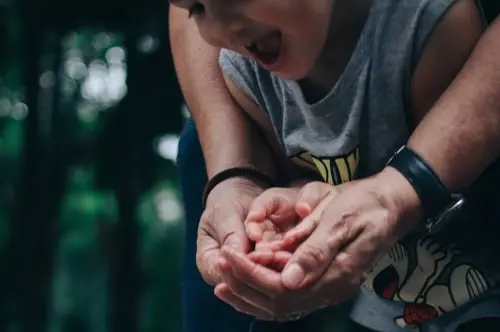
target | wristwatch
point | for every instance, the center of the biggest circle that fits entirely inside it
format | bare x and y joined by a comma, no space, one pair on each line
440,206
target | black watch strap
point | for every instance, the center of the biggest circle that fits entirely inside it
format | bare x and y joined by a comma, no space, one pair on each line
434,196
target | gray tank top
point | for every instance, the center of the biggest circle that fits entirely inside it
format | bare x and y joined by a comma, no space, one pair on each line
354,130
366,108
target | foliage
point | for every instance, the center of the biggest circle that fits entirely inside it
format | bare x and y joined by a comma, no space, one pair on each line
94,81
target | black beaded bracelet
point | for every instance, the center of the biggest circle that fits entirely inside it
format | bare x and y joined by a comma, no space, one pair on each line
243,172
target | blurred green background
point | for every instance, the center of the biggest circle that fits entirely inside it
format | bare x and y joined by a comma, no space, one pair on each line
91,223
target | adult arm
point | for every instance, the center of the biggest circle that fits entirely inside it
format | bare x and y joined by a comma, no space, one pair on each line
227,137
460,137
463,125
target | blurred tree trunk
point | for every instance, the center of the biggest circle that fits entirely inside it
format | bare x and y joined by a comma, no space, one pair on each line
3,35
125,267
30,255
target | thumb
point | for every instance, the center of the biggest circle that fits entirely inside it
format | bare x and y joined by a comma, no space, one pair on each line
214,231
312,258
305,266
310,196
231,233
208,258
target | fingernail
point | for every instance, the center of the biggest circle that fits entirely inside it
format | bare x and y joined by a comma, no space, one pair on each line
254,216
303,209
293,276
304,205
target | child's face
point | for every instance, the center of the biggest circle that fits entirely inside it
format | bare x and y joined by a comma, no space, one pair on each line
284,36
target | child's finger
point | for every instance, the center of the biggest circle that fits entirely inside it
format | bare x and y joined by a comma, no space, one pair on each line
276,202
254,231
275,260
272,246
261,231
270,235
308,224
310,196
280,260
262,257
301,231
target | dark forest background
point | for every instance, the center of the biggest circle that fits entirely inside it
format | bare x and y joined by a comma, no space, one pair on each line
90,214
91,222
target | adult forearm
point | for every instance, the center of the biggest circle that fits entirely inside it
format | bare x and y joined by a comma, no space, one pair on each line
227,137
460,136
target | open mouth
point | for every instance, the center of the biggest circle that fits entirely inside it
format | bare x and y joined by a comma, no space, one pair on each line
267,49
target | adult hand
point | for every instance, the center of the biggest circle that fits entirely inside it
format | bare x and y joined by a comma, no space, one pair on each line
222,224
351,230
278,210
268,214
351,233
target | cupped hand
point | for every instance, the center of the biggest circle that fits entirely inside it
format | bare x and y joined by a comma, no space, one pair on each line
222,224
271,215
350,231
278,210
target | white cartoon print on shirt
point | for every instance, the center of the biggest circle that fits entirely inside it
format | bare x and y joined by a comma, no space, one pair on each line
423,289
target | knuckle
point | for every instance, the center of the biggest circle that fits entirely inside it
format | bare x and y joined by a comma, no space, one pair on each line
317,255
339,224
337,231
345,271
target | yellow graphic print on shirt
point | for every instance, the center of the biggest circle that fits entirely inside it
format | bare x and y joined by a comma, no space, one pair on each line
336,170
429,278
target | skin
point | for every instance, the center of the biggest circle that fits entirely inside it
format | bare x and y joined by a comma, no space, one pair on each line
236,24
211,106
215,111
368,218
476,90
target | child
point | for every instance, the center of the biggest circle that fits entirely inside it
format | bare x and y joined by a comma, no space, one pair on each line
339,84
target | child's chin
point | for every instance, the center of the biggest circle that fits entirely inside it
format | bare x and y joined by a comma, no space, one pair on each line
293,73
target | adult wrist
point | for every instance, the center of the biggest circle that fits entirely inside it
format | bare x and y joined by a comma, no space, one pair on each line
401,199
433,194
436,201
242,173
